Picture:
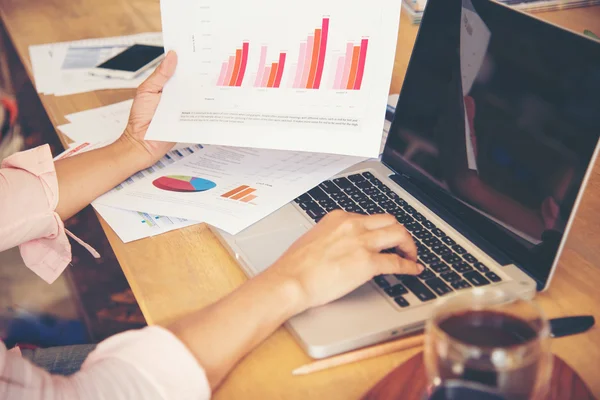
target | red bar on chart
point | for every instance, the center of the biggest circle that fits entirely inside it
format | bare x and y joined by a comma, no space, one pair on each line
261,66
242,72
222,75
236,67
272,75
314,59
300,67
280,67
322,52
337,84
235,191
362,59
310,41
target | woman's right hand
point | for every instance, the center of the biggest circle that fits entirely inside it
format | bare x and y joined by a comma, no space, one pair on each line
342,252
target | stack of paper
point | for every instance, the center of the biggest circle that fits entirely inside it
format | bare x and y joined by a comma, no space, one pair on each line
63,68
228,187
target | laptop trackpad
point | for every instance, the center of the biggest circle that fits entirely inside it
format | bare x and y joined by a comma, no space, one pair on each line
263,249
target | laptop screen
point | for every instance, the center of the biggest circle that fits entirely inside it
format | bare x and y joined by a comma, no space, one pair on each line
497,122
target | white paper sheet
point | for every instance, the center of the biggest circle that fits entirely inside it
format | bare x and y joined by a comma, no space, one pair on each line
63,68
340,117
249,185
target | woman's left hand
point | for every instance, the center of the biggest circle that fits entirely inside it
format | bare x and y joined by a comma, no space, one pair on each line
144,106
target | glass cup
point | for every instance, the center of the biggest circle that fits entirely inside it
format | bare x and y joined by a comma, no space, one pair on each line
488,340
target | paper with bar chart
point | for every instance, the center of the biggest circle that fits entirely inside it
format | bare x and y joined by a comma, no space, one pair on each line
305,76
228,187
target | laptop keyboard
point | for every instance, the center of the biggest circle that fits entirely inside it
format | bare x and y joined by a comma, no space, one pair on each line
448,266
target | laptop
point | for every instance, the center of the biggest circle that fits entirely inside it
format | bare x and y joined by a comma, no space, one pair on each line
495,134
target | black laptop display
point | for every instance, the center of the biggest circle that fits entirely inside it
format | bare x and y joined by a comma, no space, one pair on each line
496,126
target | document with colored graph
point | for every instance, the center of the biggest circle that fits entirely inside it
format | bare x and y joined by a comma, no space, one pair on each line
310,75
230,188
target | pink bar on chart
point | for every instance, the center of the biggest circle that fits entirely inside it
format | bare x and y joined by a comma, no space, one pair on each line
265,78
307,59
347,65
261,66
279,70
322,51
300,67
222,75
240,77
339,73
362,58
229,70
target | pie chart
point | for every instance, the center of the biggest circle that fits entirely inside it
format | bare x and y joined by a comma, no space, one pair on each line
182,183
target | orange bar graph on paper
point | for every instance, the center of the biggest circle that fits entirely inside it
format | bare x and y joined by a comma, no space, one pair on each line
234,191
243,193
273,75
248,199
353,68
236,67
315,59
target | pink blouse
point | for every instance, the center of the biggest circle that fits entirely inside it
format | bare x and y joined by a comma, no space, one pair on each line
150,363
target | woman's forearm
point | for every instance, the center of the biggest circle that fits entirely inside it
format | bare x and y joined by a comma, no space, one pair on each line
84,177
223,333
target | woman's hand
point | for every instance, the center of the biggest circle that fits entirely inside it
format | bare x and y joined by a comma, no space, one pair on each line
144,105
341,253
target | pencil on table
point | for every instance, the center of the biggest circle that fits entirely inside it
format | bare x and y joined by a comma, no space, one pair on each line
361,354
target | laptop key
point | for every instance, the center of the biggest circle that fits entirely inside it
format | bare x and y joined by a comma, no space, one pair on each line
448,240
396,290
493,277
303,198
401,301
381,282
440,267
368,175
441,249
481,267
430,258
462,267
358,197
332,207
428,224
438,286
318,193
305,205
364,185
372,191
418,288
376,182
469,257
476,279
438,232
409,209
458,249
353,209
419,217
401,202
462,284
329,187
356,178
450,276
426,274
315,213
451,258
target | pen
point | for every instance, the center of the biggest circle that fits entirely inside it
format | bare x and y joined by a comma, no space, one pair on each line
559,327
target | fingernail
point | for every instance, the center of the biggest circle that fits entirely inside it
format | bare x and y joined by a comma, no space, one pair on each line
420,267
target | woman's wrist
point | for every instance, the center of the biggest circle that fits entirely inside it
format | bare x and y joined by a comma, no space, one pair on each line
129,155
286,292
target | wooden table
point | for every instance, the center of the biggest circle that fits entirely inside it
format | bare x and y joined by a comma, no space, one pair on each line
182,271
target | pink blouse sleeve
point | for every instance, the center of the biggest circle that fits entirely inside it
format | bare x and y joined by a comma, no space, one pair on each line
28,198
148,364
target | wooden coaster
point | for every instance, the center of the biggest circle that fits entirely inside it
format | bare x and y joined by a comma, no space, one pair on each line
408,382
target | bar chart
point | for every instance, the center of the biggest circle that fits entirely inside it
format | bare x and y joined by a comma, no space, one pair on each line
351,67
311,58
242,193
234,69
269,75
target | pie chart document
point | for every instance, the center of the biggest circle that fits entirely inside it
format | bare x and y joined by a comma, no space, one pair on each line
227,187
311,75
